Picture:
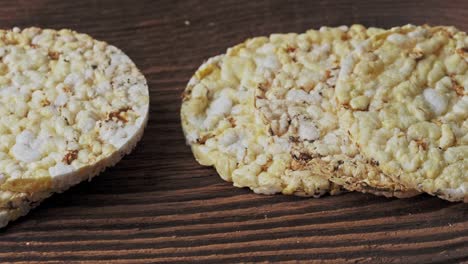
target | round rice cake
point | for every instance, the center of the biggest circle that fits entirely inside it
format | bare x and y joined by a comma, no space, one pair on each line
12,200
70,106
20,207
219,122
298,106
404,96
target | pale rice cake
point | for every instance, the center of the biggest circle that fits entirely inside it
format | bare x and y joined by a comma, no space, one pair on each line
253,156
19,207
219,122
70,106
297,104
404,100
12,200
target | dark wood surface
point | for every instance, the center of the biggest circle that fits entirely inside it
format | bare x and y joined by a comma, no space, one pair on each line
159,205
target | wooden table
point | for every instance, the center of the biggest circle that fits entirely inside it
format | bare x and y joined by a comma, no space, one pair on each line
159,205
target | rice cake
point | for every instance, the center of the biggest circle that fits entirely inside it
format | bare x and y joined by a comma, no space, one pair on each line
19,206
219,123
12,200
405,105
297,105
70,106
250,154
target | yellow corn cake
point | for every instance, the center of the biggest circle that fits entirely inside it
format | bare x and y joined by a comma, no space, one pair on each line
265,116
219,122
297,103
404,99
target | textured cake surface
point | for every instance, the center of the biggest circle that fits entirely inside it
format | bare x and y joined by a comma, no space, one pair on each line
405,104
265,116
19,205
220,124
297,103
69,107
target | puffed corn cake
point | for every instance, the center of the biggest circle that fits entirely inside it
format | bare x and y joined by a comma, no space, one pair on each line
219,124
405,105
70,106
296,102
258,148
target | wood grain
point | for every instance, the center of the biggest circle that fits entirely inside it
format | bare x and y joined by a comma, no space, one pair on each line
159,205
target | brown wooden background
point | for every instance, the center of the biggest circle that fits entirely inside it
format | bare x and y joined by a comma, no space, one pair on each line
158,205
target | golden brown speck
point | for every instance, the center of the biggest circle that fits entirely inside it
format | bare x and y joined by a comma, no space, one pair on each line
54,55
70,156
119,114
290,49
421,143
459,90
45,102
232,121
